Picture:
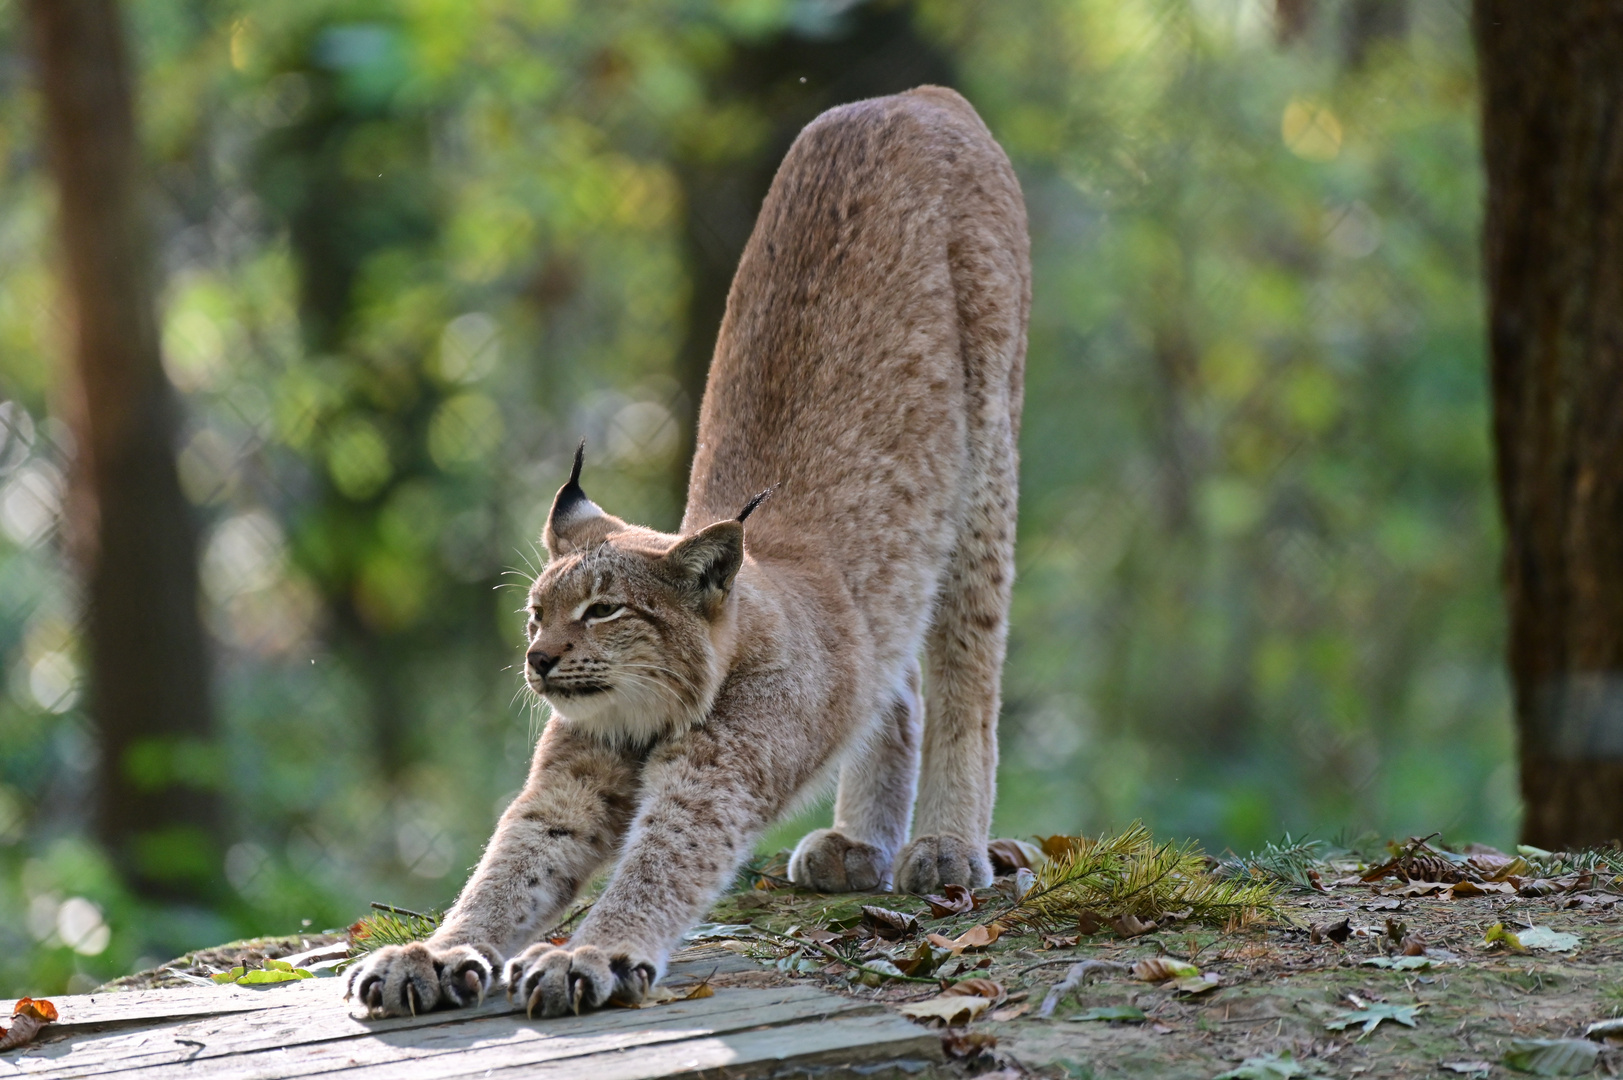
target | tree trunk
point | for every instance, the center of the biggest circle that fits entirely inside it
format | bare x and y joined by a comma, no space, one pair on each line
1552,85
129,528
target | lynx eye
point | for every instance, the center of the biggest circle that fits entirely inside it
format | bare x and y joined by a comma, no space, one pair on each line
601,611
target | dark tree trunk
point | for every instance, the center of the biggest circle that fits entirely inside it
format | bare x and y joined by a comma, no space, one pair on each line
870,51
128,527
1552,83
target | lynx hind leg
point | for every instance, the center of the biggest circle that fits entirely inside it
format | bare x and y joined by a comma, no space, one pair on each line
875,800
965,648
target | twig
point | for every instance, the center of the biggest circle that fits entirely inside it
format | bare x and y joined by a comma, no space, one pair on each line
1074,978
376,906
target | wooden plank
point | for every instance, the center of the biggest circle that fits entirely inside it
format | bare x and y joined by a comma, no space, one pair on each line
326,1039
846,1042
135,1006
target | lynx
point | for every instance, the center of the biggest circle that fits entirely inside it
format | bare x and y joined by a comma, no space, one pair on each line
868,374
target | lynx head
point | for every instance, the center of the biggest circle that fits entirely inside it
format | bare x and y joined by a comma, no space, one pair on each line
630,630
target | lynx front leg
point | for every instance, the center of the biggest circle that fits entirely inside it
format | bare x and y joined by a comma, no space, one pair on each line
875,800
572,812
705,798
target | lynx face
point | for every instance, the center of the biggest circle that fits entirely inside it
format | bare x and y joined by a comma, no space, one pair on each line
630,630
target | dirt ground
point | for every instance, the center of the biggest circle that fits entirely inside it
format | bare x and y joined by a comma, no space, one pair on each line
1275,989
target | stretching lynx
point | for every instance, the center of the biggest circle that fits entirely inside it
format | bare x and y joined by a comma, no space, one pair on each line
868,373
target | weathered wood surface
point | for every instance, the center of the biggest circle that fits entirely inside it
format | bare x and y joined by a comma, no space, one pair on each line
305,1030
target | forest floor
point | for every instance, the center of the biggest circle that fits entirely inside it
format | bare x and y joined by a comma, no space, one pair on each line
1399,976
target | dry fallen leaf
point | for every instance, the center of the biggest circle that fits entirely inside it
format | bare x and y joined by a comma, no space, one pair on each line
1010,855
1336,932
985,988
888,924
957,901
1012,1012
1477,888
976,937
28,1016
1060,941
1131,926
950,1009
662,995
968,1044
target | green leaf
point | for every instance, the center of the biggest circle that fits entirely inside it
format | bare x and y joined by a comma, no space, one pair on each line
1552,1057
1370,1016
229,976
1280,1066
717,932
1498,934
1398,963
1547,940
278,965
265,977
1128,1013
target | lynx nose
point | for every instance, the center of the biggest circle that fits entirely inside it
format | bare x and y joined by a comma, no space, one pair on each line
540,661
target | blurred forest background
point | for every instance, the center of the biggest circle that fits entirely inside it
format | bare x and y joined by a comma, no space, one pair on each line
410,252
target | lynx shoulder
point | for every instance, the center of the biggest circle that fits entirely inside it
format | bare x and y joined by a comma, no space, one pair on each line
868,374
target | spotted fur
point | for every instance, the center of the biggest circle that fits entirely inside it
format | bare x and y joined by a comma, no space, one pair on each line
868,372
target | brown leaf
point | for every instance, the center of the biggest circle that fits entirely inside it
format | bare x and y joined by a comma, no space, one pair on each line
1060,941
1010,855
29,1014
1416,888
38,1008
1414,945
1336,932
1090,922
888,924
1476,888
985,988
1396,930
976,937
1056,846
1131,926
957,901
921,962
1012,1012
967,1044
951,1010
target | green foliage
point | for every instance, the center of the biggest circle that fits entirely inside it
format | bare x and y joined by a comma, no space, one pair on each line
1133,875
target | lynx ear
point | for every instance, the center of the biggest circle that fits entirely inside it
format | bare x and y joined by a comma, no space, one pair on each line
576,522
708,561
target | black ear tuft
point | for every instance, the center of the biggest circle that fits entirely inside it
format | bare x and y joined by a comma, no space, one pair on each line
570,495
576,521
750,506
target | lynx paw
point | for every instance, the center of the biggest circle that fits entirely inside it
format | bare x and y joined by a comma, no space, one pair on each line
829,861
398,980
930,862
557,981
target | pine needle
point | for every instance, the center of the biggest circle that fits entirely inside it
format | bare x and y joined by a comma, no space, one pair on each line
1288,861
389,925
1132,874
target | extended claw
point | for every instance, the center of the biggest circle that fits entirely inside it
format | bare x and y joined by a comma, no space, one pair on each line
411,998
529,1009
579,994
